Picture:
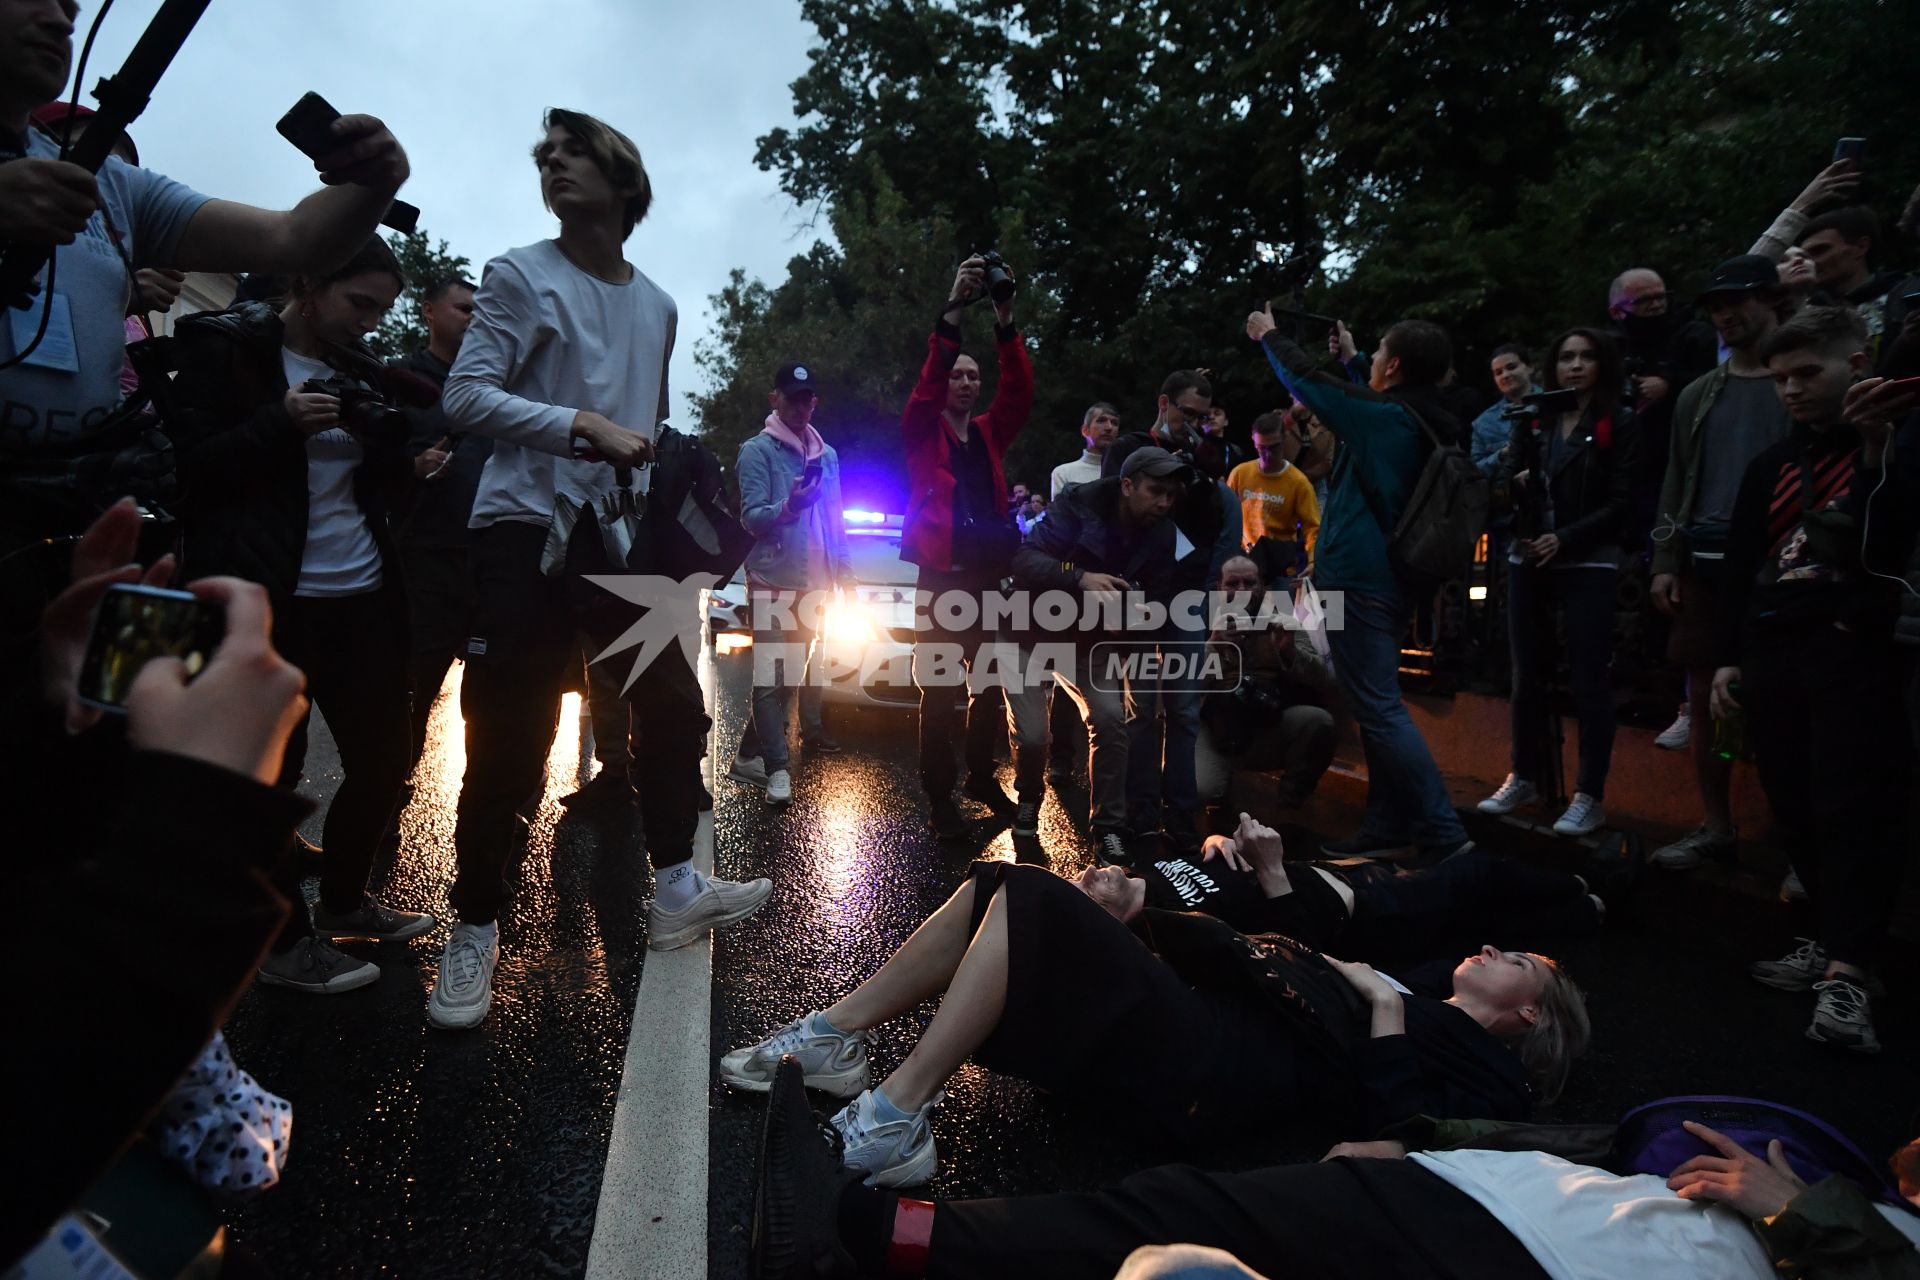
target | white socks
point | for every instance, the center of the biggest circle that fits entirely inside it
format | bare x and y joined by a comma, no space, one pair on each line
678,885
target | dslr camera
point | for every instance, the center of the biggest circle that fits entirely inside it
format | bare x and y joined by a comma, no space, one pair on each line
1000,283
364,413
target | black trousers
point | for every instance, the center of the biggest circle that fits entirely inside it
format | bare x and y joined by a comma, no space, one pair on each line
1338,1220
527,625
1829,736
940,714
1586,596
353,650
440,604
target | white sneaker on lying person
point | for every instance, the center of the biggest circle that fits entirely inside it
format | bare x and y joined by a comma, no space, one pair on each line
893,1148
833,1061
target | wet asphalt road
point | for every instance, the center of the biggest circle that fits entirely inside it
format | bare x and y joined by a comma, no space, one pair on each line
418,1153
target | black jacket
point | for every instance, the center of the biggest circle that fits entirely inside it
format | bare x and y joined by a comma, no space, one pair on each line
1445,1059
1082,533
1592,486
437,517
244,464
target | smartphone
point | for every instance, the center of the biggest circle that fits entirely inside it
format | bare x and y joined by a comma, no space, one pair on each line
812,474
308,125
136,623
1854,149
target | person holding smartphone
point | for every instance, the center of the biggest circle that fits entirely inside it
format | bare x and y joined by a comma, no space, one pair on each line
789,500
291,489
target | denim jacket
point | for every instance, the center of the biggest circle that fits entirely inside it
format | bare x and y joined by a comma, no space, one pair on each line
768,471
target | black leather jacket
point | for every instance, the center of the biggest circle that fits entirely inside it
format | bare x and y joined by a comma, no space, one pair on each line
244,464
1592,485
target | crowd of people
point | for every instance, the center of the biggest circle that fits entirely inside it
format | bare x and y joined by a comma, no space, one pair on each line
356,526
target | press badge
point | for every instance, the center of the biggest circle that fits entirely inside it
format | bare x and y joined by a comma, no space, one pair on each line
56,350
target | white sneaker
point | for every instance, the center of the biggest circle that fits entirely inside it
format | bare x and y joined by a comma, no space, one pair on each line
1676,735
719,904
1583,817
1843,1016
748,769
1791,890
1513,793
463,992
833,1063
898,1153
779,787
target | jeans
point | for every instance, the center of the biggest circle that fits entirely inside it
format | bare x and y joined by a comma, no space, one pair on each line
940,714
773,691
1105,714
1298,745
1586,595
1154,777
524,642
1405,797
354,652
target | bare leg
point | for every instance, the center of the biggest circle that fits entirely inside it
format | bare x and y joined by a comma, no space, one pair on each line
976,997
919,970
1714,775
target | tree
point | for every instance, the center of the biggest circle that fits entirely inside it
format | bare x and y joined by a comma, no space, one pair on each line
423,262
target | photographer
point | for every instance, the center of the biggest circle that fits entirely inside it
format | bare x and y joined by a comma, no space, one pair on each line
1382,451
1269,713
1574,471
291,468
958,531
163,838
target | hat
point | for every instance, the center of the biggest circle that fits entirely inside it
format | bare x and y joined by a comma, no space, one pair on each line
789,378
1743,274
1154,461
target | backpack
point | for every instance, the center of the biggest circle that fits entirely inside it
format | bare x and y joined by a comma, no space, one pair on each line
1649,1139
1434,538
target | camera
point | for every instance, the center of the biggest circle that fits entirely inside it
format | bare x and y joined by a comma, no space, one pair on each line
1000,284
364,413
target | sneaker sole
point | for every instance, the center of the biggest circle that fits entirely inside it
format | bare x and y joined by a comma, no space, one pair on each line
426,925
693,933
459,1019
913,1173
1584,829
850,1083
780,802
1852,1046
338,986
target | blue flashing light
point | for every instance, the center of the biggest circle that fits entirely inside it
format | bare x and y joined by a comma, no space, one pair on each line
852,516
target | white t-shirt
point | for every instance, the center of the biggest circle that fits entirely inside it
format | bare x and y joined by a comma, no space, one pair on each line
340,558
72,380
1581,1223
547,341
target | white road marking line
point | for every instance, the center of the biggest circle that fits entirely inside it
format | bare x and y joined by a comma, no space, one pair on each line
652,1220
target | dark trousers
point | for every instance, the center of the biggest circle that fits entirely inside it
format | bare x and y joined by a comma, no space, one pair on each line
940,714
1586,596
440,605
353,650
526,623
1337,1220
1828,732
1067,733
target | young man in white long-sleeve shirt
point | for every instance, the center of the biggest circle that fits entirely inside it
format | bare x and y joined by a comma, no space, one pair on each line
565,366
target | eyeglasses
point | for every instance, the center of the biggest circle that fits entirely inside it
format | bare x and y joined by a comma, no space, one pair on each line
1643,301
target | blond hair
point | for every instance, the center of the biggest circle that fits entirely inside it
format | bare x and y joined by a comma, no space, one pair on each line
613,154
1559,1034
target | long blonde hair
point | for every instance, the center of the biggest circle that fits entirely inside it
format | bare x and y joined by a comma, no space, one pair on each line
1559,1034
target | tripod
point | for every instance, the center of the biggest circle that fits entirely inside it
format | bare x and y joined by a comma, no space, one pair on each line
1533,517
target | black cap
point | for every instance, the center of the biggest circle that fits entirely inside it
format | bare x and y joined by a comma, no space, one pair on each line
789,378
1154,461
1743,274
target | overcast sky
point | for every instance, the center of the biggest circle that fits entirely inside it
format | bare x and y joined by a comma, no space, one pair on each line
462,84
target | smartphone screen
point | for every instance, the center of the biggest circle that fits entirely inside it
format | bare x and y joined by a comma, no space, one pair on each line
135,624
812,474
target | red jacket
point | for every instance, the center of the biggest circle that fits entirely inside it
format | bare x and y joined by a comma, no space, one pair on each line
925,438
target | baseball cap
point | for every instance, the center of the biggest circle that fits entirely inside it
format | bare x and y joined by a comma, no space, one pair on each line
789,378
1743,274
1154,461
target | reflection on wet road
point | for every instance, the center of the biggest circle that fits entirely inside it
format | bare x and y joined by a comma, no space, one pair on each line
420,1152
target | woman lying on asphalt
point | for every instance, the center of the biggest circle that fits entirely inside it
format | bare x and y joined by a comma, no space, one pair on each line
1373,911
1670,1200
1207,1034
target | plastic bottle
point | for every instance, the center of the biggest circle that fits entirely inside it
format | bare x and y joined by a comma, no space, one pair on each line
1730,732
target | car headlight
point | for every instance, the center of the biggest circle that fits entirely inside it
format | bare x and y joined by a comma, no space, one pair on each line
847,622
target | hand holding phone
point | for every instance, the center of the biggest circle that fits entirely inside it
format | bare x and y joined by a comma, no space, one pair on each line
133,625
1854,149
357,150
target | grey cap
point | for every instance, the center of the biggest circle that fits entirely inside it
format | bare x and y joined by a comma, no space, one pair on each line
1154,461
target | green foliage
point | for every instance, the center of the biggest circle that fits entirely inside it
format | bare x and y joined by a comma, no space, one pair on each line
423,262
1146,168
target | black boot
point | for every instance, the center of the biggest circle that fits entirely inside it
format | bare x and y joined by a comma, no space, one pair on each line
796,1194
